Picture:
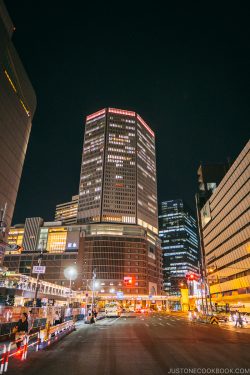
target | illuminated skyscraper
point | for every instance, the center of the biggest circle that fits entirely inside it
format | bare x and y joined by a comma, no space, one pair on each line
17,108
118,175
117,230
178,232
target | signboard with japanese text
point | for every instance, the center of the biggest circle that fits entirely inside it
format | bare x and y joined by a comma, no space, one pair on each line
39,269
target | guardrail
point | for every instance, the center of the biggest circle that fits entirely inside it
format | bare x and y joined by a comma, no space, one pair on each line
39,340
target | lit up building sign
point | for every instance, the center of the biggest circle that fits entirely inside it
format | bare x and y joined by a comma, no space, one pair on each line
72,245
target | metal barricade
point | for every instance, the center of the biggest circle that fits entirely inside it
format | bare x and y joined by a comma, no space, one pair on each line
42,338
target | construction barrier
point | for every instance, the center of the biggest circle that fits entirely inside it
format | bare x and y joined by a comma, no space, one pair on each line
214,320
38,340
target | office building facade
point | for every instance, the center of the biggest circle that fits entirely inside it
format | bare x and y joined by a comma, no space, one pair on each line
114,251
59,245
178,233
17,107
118,175
118,187
67,212
225,223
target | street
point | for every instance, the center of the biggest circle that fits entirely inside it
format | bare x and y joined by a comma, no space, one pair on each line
139,344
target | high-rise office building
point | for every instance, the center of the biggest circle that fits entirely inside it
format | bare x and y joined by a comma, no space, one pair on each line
225,223
17,107
178,232
117,230
118,175
117,191
67,212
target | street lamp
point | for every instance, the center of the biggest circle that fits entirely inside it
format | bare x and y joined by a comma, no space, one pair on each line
71,274
93,290
40,257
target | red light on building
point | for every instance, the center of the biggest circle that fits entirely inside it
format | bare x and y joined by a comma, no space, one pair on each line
121,112
96,114
145,125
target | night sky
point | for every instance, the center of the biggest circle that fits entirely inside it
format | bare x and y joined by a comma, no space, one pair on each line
184,69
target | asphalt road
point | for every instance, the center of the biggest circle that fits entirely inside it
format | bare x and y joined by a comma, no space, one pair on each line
143,345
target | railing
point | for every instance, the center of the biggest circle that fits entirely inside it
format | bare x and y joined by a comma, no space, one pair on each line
39,340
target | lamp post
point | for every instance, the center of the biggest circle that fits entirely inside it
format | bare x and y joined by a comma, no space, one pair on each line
71,274
40,257
93,289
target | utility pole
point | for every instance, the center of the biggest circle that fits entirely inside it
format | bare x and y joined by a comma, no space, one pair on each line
93,289
202,248
202,300
38,274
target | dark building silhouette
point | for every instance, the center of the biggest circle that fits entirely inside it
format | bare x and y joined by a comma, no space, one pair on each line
209,176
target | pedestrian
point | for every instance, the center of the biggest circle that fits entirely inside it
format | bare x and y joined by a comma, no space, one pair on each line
95,313
232,316
21,329
238,319
92,319
31,320
57,318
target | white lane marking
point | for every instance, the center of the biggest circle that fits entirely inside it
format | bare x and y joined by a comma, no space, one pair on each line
160,318
112,321
115,320
168,324
146,324
161,324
